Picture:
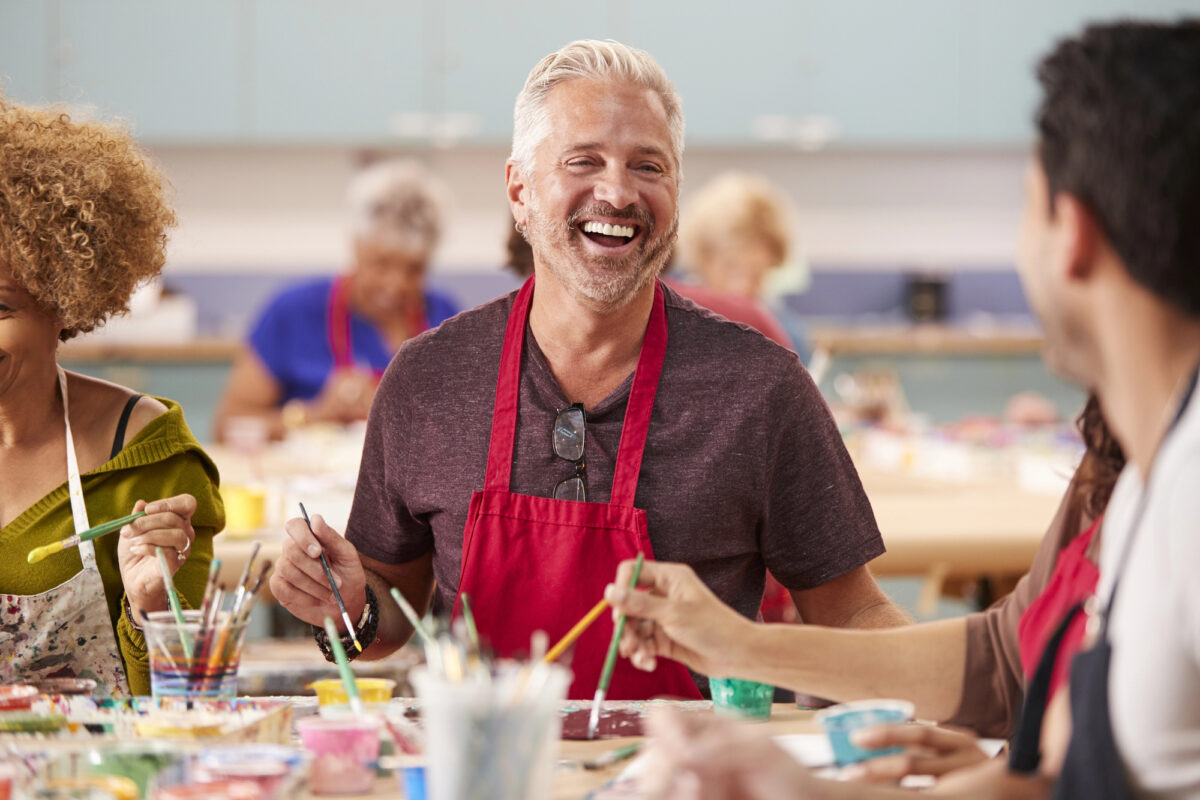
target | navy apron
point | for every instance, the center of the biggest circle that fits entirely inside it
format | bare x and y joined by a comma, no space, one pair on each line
1092,768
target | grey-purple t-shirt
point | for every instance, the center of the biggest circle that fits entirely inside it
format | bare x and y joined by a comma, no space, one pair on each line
744,469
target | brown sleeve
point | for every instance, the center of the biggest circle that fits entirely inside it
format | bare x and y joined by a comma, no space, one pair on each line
993,682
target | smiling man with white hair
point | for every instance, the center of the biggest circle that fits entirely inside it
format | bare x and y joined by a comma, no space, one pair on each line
520,451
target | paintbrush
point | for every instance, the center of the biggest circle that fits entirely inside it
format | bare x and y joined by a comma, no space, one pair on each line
173,602
210,640
209,587
605,759
576,631
333,585
245,576
611,661
343,665
469,619
38,553
411,614
242,612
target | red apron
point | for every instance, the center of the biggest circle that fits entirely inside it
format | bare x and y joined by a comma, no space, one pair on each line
339,324
535,563
1073,580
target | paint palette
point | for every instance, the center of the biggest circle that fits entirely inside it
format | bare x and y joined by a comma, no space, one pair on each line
618,718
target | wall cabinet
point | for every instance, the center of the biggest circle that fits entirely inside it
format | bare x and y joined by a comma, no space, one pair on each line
792,73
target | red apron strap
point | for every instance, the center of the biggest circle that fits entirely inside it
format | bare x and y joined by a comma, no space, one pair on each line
641,403
418,318
508,395
339,322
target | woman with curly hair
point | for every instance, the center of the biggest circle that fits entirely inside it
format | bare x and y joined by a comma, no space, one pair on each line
82,223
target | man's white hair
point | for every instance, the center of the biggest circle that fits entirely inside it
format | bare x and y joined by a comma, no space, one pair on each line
398,203
588,58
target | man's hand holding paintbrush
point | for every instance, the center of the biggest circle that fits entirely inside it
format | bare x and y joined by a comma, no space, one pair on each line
300,581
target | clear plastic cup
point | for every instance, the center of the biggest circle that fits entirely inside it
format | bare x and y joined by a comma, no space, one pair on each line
126,770
492,739
190,661
273,768
842,720
747,700
345,753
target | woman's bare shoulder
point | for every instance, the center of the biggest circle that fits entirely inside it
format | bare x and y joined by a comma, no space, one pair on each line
98,405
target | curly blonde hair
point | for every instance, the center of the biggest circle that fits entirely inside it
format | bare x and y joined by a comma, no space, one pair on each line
736,204
83,221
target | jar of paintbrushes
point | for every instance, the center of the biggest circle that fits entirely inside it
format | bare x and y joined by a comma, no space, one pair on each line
194,653
492,732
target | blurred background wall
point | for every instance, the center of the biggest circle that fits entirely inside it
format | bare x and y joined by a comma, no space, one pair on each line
898,129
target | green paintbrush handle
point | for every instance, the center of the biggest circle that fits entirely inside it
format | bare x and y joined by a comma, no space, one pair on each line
109,527
173,602
611,661
410,614
343,665
469,620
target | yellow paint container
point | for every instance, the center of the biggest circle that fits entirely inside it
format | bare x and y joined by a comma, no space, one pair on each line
117,786
245,508
330,691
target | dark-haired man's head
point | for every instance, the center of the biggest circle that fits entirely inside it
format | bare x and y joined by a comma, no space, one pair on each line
1115,183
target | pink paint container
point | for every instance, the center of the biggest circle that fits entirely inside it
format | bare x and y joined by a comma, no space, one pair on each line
214,790
17,697
345,752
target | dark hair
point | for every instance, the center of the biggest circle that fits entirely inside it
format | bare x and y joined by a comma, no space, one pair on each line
1097,474
1119,128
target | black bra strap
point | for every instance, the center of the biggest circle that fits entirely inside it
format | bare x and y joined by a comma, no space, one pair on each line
119,439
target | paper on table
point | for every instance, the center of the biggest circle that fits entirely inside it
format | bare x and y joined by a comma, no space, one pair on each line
811,750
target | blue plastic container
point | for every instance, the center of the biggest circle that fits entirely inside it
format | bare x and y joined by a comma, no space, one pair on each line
842,720
412,781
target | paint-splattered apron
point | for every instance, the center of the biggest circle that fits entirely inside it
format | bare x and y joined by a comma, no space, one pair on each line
65,632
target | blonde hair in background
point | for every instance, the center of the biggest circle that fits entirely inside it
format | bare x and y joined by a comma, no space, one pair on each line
399,203
598,60
736,205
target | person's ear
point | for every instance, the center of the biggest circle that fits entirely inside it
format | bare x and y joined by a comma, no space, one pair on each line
518,193
1081,239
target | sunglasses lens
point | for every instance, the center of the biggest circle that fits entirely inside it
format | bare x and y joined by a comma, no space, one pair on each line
569,434
571,489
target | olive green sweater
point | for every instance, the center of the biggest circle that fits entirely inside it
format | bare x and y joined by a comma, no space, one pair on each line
163,460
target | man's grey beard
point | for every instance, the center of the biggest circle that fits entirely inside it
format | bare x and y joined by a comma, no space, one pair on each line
615,284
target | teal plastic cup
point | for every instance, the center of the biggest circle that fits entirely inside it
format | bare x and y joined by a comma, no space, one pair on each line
841,721
747,700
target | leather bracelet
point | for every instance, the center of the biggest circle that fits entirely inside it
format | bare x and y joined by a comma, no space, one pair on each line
364,629
133,623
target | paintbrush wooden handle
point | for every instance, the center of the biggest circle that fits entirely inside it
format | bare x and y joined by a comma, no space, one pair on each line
576,632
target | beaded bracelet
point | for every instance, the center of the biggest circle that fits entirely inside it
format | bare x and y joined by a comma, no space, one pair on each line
367,625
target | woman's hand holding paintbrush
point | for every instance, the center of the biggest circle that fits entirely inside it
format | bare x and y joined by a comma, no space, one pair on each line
300,583
166,524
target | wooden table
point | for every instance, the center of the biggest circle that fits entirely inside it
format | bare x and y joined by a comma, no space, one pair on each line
573,785
939,529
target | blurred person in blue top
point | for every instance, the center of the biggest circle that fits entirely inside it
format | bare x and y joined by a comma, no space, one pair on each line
317,351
